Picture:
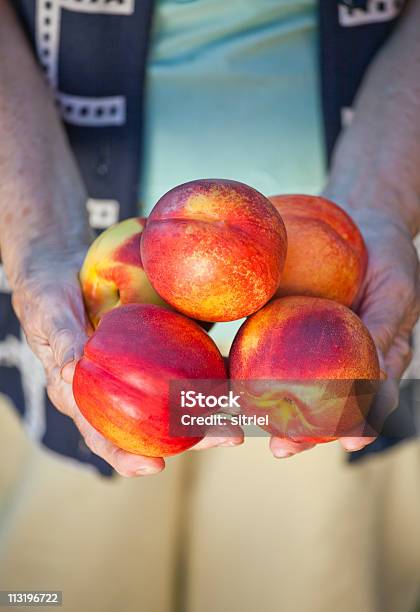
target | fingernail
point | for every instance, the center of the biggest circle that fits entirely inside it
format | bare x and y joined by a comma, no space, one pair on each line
146,471
350,448
228,442
282,454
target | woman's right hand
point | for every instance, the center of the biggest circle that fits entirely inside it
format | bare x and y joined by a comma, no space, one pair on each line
49,305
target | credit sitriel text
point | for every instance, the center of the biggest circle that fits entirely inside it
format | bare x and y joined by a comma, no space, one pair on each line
190,420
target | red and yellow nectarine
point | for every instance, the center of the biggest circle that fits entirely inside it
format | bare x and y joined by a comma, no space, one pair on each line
121,383
301,360
326,255
214,249
112,273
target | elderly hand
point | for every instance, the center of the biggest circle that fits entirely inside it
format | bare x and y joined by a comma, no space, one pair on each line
49,305
389,305
374,176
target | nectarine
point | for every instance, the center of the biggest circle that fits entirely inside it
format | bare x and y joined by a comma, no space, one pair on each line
309,363
214,249
121,383
112,273
326,255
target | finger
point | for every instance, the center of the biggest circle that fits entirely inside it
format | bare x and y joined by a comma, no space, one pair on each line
351,444
383,320
54,374
67,344
228,435
66,332
384,403
67,372
388,305
399,355
284,447
126,464
358,437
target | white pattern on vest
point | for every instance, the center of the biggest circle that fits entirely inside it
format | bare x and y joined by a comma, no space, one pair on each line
15,353
102,213
77,110
374,11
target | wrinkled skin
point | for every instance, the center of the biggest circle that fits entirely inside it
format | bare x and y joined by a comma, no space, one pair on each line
389,305
45,191
49,305
374,176
44,235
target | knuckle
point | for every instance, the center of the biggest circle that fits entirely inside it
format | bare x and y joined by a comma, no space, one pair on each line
61,337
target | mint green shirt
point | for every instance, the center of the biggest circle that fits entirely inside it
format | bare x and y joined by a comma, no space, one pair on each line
232,92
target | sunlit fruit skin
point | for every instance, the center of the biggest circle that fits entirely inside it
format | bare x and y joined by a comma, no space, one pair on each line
214,249
326,255
298,358
121,383
112,273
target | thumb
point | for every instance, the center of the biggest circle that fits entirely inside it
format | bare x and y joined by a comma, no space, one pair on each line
67,340
67,372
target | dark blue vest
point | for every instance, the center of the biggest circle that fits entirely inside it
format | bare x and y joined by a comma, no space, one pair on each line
94,53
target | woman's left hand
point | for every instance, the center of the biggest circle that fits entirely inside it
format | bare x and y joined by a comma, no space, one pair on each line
389,305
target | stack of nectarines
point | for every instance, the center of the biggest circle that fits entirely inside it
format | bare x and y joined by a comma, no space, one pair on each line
218,250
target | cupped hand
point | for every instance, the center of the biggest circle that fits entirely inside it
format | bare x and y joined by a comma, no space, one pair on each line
49,305
389,305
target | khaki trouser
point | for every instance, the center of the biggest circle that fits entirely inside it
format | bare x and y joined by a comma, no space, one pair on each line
228,530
